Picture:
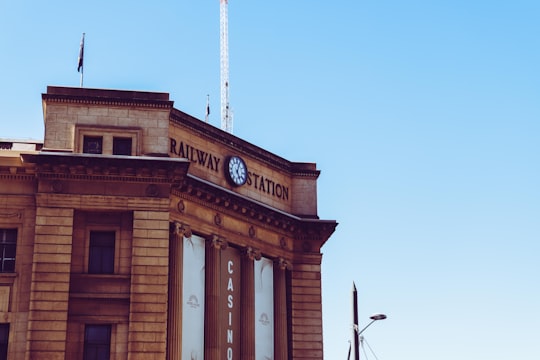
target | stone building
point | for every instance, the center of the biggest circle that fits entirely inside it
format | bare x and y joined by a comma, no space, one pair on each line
136,231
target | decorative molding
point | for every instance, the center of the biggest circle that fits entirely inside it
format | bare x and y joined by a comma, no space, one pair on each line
283,264
252,253
182,230
57,186
16,214
217,135
312,230
251,232
152,190
217,220
90,167
181,206
217,242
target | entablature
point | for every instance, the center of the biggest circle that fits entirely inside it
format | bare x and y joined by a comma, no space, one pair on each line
107,167
312,233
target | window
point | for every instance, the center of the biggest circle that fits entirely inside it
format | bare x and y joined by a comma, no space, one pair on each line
93,145
101,252
121,146
8,247
97,342
4,338
107,140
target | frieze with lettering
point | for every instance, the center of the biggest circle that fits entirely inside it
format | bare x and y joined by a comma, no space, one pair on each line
215,163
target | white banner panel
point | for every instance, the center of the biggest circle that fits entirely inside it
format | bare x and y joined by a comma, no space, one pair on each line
193,298
264,309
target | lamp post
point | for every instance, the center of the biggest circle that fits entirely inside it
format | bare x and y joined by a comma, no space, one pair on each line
356,333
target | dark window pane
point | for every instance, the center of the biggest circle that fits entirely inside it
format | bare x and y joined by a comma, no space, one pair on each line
8,249
121,146
9,266
93,145
97,342
4,338
101,252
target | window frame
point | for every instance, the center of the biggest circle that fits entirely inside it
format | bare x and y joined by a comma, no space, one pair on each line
3,245
108,133
116,265
85,144
116,145
87,346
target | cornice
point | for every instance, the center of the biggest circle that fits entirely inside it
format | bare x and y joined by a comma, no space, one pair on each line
107,167
312,232
17,177
297,169
107,97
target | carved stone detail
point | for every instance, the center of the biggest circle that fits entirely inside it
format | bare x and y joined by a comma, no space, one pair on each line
181,207
182,230
218,242
18,215
217,220
152,190
251,232
283,264
57,186
252,253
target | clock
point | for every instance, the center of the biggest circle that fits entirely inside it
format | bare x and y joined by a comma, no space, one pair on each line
236,170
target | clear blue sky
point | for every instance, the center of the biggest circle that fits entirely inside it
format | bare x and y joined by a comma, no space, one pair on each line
423,116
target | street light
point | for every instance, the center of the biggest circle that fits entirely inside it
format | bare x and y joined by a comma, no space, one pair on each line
356,333
373,318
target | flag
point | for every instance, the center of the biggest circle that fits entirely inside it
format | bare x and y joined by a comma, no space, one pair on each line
81,55
207,107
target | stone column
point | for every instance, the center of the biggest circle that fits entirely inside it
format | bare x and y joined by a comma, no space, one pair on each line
280,309
247,301
174,322
212,319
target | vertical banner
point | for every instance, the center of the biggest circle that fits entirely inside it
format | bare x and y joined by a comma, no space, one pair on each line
193,298
230,299
264,309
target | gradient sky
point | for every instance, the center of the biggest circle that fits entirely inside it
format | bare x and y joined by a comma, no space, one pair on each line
423,116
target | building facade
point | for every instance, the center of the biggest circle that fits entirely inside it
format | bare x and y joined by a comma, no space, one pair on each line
135,231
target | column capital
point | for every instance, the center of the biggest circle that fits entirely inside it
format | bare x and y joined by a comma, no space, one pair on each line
217,242
251,253
283,264
182,230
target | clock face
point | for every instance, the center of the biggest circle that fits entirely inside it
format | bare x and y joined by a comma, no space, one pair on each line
236,171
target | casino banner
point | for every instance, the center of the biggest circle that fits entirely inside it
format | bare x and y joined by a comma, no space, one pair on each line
264,309
193,298
230,302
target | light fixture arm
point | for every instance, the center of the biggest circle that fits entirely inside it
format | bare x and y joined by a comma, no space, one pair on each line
365,327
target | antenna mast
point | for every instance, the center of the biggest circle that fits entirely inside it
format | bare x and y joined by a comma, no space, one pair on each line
226,119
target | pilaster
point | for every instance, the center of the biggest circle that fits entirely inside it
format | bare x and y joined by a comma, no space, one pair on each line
212,305
306,308
147,332
49,290
247,299
280,309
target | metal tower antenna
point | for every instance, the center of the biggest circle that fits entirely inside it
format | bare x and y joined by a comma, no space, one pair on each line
226,119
